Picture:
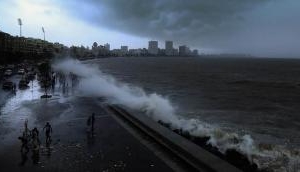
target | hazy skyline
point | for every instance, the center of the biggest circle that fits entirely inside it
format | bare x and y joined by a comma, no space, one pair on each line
258,27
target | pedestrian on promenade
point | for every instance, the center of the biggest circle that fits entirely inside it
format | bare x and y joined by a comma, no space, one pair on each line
24,141
14,88
93,121
48,132
35,138
26,130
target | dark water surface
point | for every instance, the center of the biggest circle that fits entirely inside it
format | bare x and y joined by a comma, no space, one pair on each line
260,97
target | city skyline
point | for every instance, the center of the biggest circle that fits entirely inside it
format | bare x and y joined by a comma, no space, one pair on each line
19,47
167,45
263,28
160,44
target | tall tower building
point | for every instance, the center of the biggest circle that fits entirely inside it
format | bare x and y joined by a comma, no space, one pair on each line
169,48
153,47
184,50
107,46
124,50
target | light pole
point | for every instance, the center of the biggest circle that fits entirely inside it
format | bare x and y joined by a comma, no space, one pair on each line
43,30
20,24
43,33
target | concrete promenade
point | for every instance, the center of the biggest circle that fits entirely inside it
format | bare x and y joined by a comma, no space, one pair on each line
73,146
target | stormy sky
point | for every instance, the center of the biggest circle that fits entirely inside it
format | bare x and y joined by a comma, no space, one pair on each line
258,27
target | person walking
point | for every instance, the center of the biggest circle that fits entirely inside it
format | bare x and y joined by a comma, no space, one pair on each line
48,129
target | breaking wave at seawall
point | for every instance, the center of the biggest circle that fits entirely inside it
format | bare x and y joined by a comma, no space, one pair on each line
94,83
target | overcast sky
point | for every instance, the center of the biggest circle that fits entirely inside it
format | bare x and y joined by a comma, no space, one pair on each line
258,27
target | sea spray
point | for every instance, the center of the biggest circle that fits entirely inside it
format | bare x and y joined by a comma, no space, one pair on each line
94,83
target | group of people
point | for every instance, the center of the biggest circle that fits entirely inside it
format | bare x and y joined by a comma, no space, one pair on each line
31,137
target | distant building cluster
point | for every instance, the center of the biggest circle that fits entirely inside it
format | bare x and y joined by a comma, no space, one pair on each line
152,50
12,44
170,50
21,47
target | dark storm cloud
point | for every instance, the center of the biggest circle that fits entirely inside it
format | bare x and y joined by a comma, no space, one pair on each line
201,23
168,18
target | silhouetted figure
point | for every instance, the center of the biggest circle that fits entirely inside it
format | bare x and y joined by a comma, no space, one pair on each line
53,82
36,145
48,132
14,88
93,121
35,138
24,140
26,124
35,133
26,130
64,87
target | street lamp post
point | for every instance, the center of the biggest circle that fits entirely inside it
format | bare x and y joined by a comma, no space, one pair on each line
20,24
43,30
44,33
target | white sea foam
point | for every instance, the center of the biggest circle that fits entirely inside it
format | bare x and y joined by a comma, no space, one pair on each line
97,84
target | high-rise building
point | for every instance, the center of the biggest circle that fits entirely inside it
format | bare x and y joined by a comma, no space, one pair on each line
107,46
169,48
124,50
184,50
175,52
153,47
195,52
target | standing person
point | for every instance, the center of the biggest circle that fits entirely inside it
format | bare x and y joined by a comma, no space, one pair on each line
53,82
26,130
93,121
24,141
35,138
14,88
48,131
26,124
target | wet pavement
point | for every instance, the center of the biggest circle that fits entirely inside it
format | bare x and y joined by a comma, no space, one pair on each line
73,146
